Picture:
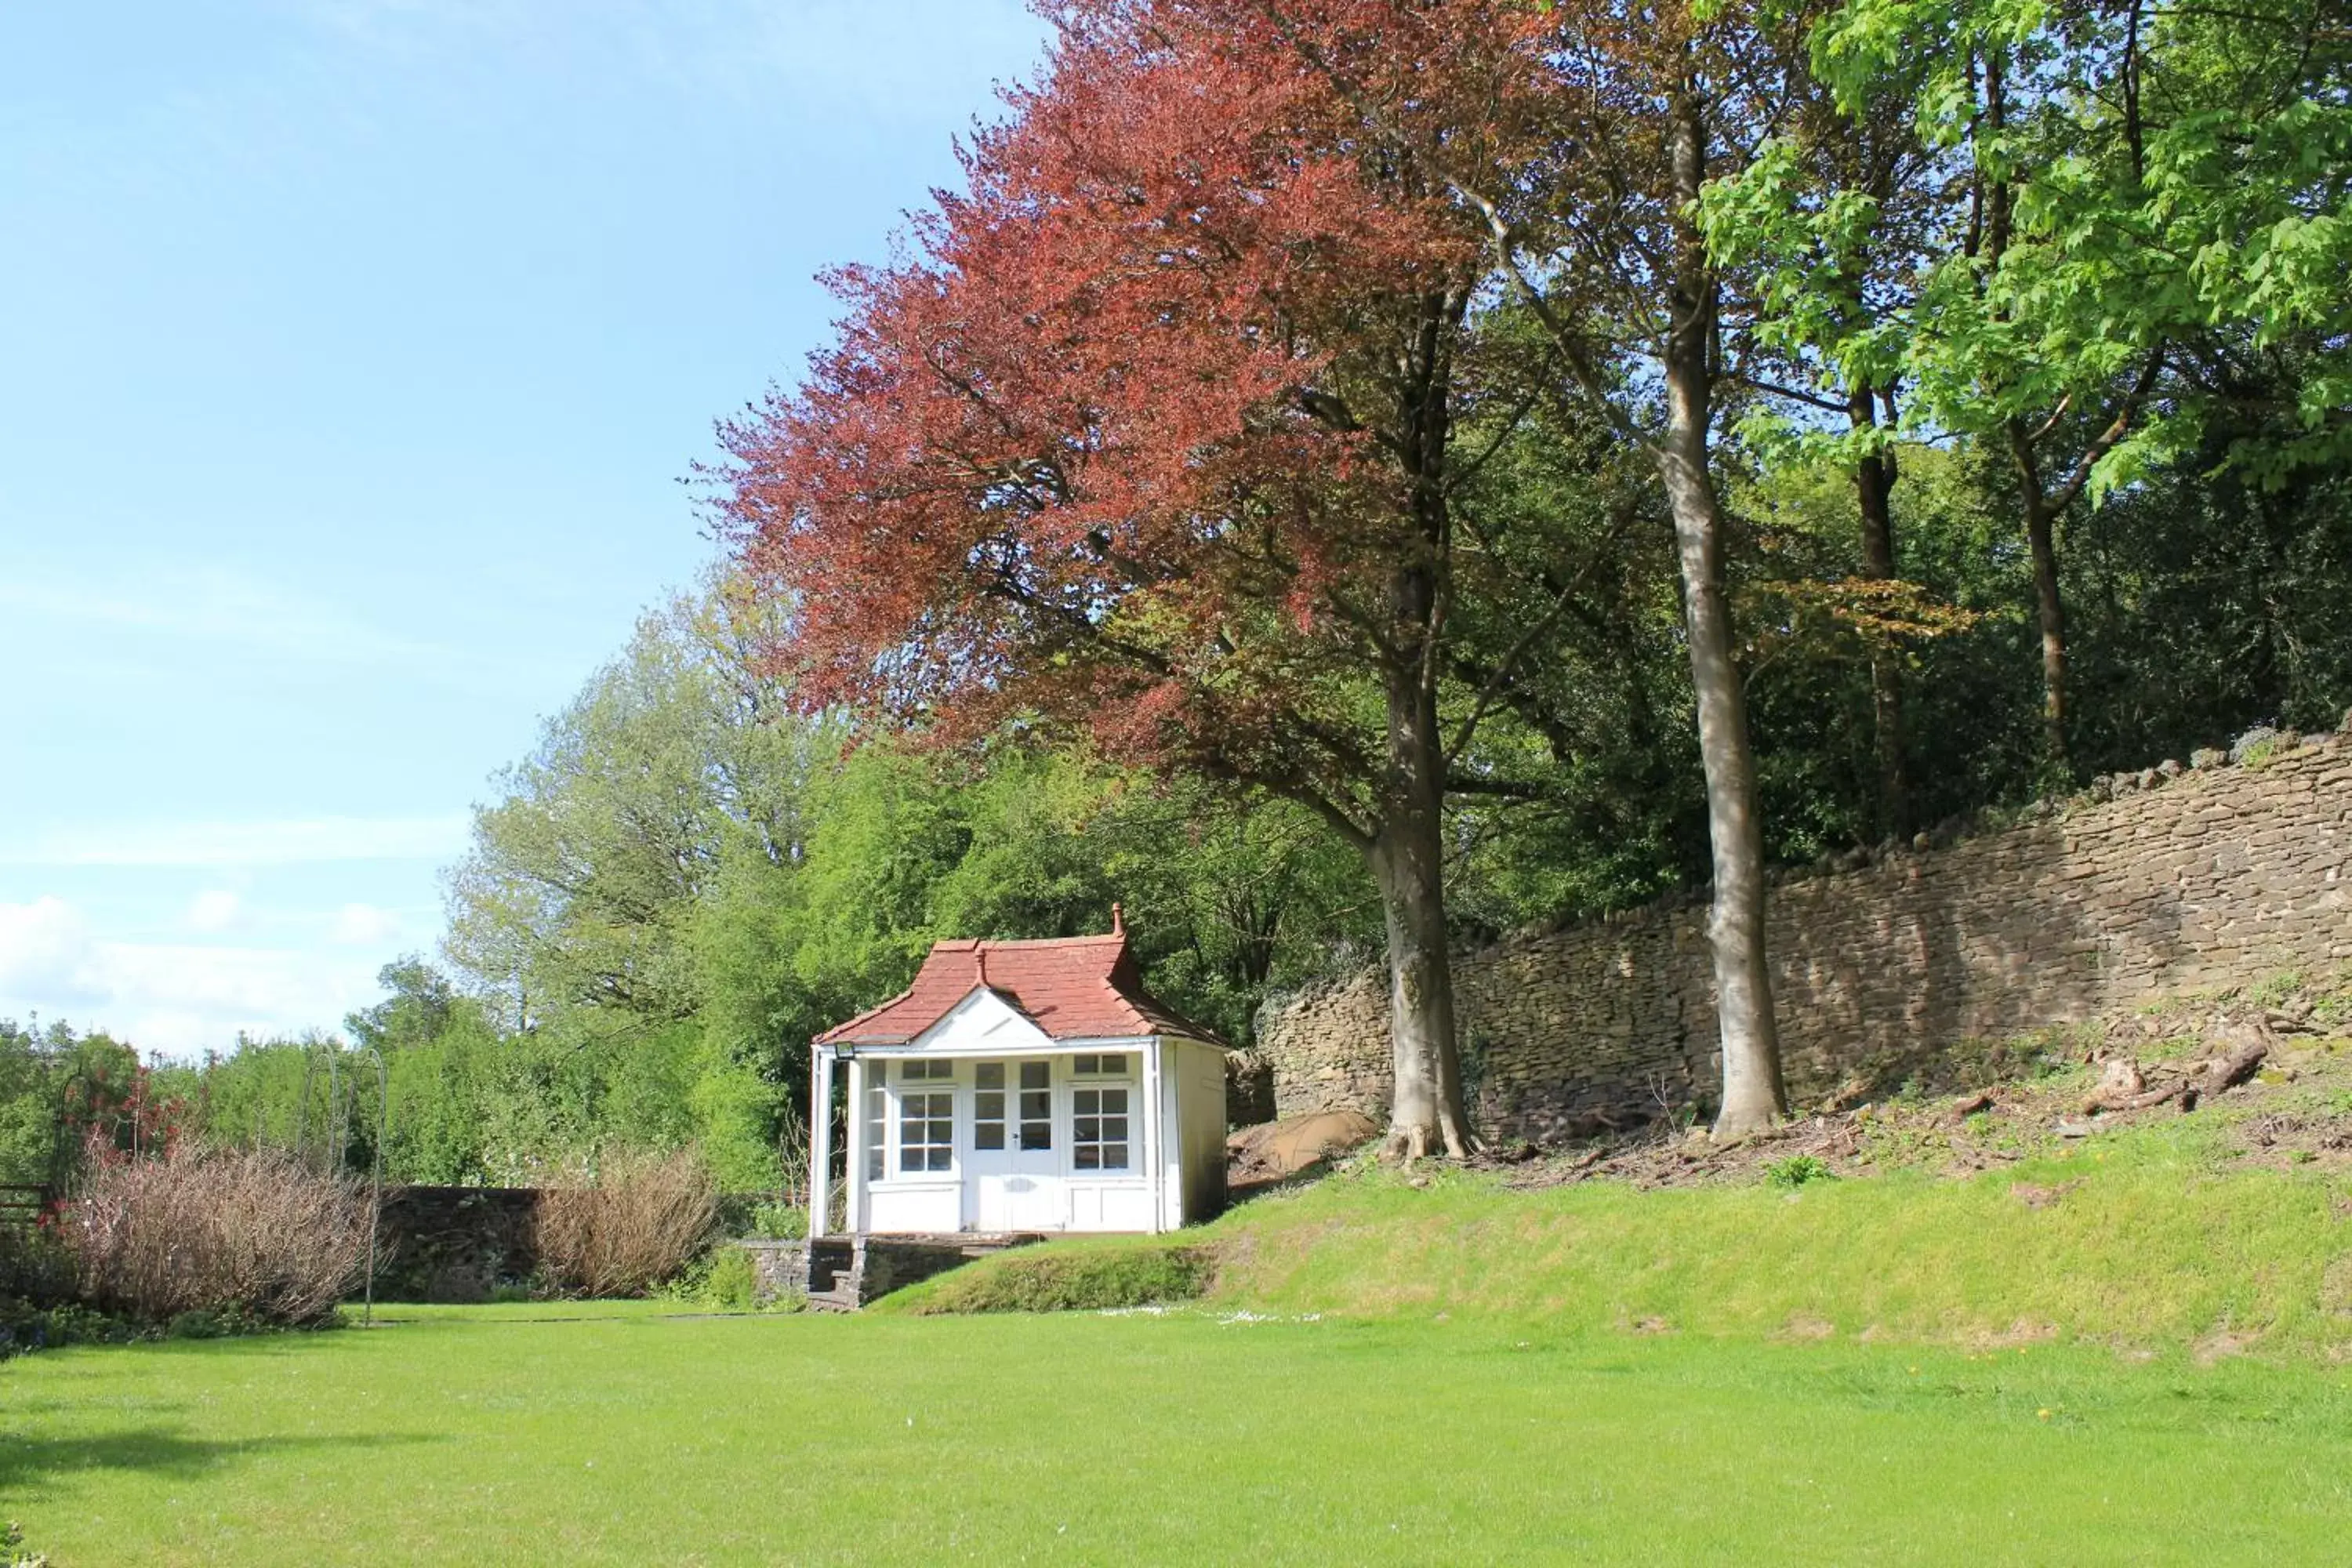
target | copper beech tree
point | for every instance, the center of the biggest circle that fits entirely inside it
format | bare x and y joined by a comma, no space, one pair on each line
1162,431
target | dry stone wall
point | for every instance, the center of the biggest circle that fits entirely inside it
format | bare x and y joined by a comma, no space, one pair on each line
2171,878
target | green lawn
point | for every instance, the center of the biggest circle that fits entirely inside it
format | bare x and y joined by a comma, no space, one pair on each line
496,1436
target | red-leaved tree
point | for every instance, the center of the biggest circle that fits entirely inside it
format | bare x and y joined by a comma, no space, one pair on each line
1158,435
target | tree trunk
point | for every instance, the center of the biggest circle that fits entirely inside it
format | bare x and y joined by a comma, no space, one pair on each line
1752,1092
1873,481
2049,607
1408,865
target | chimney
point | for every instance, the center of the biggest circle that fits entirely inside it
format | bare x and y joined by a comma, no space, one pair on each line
1117,921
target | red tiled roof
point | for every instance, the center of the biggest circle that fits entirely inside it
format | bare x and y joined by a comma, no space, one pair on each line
1073,988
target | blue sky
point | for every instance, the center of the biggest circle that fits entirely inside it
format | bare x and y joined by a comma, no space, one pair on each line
352,353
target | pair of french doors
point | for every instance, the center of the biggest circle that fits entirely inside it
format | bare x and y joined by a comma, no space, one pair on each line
1016,1170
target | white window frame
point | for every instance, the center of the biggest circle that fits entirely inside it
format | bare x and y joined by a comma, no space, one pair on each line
1008,1119
936,1076
1128,1116
876,1112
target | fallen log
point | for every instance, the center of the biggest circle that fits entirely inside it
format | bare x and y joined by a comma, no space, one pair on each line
2229,1072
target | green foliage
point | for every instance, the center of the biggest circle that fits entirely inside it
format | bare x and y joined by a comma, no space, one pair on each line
686,881
1787,1175
721,1280
26,1327
778,1222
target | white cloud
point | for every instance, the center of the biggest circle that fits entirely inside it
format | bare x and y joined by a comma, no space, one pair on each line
303,841
175,997
217,607
363,925
215,910
43,945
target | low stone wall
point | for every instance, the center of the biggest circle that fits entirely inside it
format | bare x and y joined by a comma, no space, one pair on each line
778,1268
2171,878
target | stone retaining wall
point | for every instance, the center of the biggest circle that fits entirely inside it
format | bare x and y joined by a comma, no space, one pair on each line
777,1268
2171,878
456,1244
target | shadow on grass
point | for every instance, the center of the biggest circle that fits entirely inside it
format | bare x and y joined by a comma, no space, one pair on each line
165,1451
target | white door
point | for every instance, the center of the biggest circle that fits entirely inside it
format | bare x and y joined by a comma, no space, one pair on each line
1016,1171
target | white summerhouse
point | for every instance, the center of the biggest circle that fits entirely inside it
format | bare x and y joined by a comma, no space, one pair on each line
1021,1085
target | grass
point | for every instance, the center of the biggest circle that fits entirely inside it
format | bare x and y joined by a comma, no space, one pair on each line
2144,1241
2134,1348
496,1436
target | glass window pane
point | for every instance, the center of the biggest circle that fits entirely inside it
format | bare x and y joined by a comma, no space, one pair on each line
940,1159
1036,1075
1084,1064
1037,1135
989,1075
910,1159
942,1133
1114,1156
1037,1106
1085,1101
1085,1158
1086,1130
988,1135
1114,1066
987,1105
1114,1102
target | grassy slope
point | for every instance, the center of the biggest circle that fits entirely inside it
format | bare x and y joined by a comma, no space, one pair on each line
1135,1438
2149,1239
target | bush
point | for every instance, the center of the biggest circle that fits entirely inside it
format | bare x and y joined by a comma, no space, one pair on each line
244,1235
34,1266
638,1221
1794,1171
728,1284
1090,1278
778,1222
726,1281
24,1327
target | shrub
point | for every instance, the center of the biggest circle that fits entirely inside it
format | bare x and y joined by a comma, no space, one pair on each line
728,1284
34,1266
638,1221
779,1222
1794,1171
24,1327
1080,1279
243,1235
726,1281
